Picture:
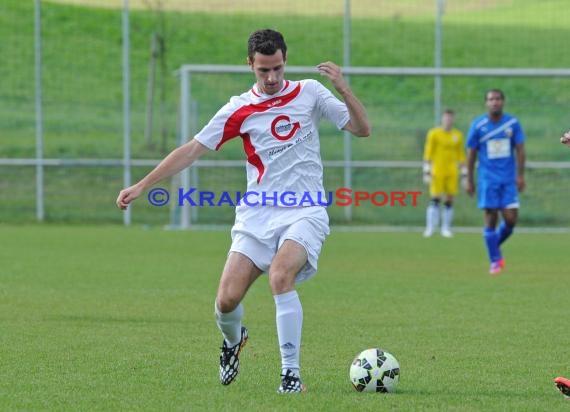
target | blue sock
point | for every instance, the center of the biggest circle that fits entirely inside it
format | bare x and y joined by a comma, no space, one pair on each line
504,232
492,242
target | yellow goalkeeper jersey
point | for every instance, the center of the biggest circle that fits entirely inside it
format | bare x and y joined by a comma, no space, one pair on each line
444,150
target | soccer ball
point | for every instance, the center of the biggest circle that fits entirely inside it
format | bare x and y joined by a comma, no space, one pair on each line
375,370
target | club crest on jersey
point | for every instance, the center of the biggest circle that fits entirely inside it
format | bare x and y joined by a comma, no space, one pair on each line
282,128
508,132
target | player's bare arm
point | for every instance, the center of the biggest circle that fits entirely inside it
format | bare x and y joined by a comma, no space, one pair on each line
180,158
470,184
358,124
521,158
565,139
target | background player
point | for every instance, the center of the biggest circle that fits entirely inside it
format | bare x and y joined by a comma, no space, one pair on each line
277,120
497,138
444,156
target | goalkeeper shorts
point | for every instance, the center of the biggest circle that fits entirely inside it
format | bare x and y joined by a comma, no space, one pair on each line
444,185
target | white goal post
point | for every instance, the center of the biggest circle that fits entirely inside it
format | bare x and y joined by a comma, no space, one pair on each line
188,127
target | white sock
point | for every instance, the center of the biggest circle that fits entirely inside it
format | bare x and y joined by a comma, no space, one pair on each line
432,217
289,317
447,217
230,324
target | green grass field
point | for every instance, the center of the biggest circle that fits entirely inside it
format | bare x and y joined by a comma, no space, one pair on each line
111,318
106,318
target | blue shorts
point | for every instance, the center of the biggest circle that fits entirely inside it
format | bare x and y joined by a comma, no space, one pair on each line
498,196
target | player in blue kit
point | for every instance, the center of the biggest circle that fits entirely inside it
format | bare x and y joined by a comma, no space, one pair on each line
497,138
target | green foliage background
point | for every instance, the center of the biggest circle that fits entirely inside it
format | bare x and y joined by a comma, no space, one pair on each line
83,95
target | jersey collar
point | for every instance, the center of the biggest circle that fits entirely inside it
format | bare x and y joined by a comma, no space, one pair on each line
257,93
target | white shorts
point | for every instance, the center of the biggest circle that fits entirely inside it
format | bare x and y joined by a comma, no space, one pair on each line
260,231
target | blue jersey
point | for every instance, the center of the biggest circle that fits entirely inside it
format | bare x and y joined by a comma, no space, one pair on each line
495,142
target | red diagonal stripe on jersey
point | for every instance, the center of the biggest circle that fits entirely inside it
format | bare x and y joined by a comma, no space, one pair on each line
253,157
234,122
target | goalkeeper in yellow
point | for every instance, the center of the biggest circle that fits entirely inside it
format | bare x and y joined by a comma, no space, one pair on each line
444,160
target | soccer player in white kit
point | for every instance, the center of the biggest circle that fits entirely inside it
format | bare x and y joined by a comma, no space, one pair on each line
277,120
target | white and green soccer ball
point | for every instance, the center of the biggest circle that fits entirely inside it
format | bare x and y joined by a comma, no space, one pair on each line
375,370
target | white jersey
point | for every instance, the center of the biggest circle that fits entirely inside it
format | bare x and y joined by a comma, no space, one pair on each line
280,135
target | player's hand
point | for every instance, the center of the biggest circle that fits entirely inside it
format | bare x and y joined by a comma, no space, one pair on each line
334,74
463,179
126,196
427,173
521,184
565,139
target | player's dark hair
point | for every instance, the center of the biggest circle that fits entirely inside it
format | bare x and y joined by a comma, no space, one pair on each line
267,42
449,111
499,91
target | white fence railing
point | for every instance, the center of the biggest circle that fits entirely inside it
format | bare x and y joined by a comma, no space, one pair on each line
188,111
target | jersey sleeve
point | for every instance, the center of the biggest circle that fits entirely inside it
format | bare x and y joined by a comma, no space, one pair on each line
429,146
461,149
473,137
330,107
216,132
519,136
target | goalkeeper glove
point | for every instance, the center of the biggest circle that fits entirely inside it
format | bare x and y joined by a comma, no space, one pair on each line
427,173
464,177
